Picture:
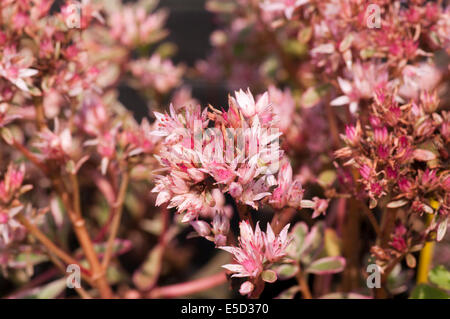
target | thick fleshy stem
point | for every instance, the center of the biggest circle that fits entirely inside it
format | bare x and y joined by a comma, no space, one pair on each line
52,248
98,273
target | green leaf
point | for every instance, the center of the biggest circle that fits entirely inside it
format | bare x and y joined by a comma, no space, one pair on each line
145,277
424,291
305,35
269,276
30,258
332,243
313,243
367,53
327,265
440,276
114,275
327,178
310,98
295,48
298,233
49,291
287,271
313,95
289,293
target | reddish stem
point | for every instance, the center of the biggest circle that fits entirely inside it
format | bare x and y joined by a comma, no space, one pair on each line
188,288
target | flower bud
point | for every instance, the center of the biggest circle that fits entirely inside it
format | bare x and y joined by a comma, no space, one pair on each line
380,135
235,189
201,227
246,288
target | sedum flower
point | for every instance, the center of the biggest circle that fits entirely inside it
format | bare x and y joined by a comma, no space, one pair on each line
57,144
134,27
256,252
399,155
199,161
247,105
275,245
286,6
288,192
249,255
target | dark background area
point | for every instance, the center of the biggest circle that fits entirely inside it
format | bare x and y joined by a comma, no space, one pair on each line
189,25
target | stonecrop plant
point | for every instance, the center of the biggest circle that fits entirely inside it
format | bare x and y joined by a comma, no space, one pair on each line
324,173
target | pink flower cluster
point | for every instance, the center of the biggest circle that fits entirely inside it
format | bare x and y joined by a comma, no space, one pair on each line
256,252
240,156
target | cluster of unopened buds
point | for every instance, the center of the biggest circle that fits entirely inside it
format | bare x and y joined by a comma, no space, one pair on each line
399,157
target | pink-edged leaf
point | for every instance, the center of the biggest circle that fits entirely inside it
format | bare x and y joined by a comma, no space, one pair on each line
424,155
286,271
269,276
298,234
288,293
313,241
327,265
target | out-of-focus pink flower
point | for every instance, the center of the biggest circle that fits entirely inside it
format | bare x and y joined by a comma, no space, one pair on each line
366,79
8,224
141,139
319,206
288,192
283,105
246,103
156,72
55,145
11,183
133,26
286,6
398,239
93,115
417,78
14,68
183,97
201,227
